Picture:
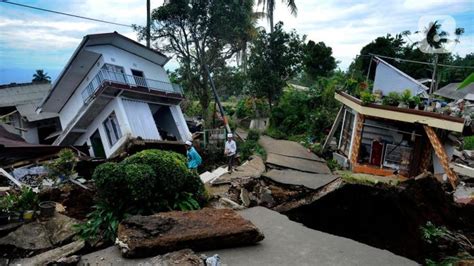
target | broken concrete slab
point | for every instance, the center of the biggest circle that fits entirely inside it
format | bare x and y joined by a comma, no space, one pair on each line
287,148
304,165
22,238
462,169
292,177
52,232
252,168
112,256
142,236
53,255
290,243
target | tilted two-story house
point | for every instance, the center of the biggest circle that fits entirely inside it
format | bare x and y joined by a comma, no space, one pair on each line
113,89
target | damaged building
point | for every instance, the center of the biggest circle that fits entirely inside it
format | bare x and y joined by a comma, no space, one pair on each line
112,90
384,140
18,103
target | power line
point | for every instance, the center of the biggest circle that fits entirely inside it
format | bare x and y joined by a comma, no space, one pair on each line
65,14
418,62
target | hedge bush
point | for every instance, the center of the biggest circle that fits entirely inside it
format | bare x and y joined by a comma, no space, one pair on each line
147,182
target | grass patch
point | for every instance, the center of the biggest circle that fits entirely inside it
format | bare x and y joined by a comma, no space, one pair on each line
366,179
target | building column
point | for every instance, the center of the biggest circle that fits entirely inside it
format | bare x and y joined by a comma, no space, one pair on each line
442,156
356,142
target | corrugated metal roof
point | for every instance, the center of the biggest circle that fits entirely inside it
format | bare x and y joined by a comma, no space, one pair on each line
26,98
451,91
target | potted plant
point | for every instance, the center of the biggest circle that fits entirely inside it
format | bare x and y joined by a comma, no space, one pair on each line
367,97
415,102
392,99
27,202
405,98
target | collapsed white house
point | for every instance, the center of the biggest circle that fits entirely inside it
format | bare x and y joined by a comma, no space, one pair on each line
114,89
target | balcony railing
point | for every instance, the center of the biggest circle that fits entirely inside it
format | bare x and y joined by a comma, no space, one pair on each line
130,80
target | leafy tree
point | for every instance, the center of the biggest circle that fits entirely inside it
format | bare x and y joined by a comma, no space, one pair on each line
318,60
275,58
200,33
387,45
269,8
41,76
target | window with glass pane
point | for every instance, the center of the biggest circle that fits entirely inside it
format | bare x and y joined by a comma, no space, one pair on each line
112,129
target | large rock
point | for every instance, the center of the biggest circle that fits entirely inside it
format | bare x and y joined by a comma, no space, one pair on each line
41,235
53,255
143,236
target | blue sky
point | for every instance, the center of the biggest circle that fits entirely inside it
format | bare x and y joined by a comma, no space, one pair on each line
32,39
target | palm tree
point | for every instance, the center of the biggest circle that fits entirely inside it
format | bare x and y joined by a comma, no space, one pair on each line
269,7
41,76
251,33
434,42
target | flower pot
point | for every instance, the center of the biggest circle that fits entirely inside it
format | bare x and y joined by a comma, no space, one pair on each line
4,217
28,215
47,208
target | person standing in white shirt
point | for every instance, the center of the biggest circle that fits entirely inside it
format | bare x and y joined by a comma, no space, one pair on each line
230,150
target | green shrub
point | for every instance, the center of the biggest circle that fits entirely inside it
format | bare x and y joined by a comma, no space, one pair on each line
253,135
367,97
146,182
102,224
25,199
405,97
333,165
250,146
64,165
246,108
393,99
468,143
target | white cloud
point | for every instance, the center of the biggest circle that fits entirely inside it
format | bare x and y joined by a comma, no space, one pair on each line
342,24
347,26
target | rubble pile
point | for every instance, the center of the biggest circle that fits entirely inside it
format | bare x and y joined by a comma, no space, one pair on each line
250,192
38,236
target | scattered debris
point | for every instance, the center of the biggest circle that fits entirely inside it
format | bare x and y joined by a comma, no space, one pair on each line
38,236
11,178
184,257
198,230
58,255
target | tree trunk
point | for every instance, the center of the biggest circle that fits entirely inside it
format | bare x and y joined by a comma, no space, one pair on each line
270,17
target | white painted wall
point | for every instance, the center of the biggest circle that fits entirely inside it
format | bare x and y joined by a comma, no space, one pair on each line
113,106
116,56
75,102
387,80
140,119
181,122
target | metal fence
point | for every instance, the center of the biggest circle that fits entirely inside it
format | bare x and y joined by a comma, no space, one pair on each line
130,80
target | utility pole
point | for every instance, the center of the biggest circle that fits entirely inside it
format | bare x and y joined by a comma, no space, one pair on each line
148,23
433,77
216,97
